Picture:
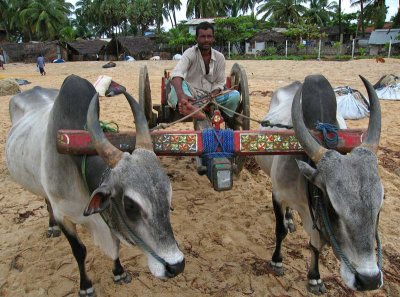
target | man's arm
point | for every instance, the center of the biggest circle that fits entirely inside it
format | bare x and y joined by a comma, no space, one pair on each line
177,84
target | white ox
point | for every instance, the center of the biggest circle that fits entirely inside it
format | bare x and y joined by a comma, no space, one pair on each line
130,193
338,198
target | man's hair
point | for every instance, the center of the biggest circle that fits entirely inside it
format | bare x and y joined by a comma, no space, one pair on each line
204,26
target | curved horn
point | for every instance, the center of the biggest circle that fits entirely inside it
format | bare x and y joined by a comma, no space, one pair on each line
374,125
109,153
312,148
143,138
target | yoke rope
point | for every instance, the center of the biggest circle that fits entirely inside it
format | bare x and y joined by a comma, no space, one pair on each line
325,128
214,139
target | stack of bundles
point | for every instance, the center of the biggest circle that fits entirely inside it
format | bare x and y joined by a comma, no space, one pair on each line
351,104
9,86
388,87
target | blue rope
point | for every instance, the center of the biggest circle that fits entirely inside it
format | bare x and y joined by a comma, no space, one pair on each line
331,142
214,140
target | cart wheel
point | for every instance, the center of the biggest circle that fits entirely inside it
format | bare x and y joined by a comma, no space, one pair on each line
145,97
239,82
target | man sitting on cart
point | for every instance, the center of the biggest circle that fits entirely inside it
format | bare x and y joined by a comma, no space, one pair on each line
200,74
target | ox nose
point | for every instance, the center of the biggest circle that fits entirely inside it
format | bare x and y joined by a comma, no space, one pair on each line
368,282
174,269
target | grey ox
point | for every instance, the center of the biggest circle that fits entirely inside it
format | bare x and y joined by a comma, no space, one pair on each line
342,207
130,193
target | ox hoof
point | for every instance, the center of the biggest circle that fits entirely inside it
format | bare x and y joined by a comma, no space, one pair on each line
124,278
53,231
277,268
87,293
316,287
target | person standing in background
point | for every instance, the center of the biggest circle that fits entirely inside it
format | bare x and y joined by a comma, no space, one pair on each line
40,64
2,60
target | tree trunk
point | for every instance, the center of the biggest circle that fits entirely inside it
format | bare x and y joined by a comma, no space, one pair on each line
362,18
340,17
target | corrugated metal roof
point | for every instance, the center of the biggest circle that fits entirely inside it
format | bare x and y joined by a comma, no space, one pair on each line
383,36
195,22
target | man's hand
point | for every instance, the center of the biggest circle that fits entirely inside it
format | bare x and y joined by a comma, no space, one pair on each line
185,107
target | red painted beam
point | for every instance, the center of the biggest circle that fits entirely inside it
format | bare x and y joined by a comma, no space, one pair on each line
189,143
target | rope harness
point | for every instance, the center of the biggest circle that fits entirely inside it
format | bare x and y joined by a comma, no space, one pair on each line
323,213
318,209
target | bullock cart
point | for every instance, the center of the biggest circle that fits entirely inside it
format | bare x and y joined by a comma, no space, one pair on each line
220,152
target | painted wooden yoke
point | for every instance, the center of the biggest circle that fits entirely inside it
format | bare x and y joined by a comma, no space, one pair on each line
190,143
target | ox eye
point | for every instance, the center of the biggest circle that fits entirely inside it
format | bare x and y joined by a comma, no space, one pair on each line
132,209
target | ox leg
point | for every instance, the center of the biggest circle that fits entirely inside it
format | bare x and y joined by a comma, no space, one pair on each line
289,224
315,284
280,233
79,252
120,275
53,230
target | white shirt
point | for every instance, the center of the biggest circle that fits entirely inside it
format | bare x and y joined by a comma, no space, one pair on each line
192,69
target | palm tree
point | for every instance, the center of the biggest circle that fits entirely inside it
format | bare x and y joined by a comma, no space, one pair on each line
141,14
319,12
281,11
361,3
206,8
246,5
172,6
47,17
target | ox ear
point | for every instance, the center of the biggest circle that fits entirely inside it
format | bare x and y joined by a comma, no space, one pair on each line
99,201
309,172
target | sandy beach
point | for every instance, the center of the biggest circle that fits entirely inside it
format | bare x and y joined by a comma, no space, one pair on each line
227,237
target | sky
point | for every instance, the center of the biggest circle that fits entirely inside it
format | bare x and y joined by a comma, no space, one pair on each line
392,4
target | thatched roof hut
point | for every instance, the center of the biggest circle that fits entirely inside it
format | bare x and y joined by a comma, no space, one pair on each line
139,47
28,52
268,36
84,50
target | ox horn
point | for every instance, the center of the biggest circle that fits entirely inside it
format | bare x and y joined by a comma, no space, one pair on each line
374,126
110,154
143,138
312,148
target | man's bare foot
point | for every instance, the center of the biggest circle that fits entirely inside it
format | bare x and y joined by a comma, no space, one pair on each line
186,108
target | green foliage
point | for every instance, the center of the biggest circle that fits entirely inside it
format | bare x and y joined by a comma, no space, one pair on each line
67,34
304,31
337,45
387,45
362,51
235,29
180,36
271,51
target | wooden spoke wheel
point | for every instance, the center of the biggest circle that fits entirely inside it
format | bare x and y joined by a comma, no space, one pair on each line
145,97
241,122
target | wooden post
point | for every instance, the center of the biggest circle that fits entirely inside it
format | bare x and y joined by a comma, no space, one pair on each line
390,47
229,49
319,50
341,44
286,49
352,48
